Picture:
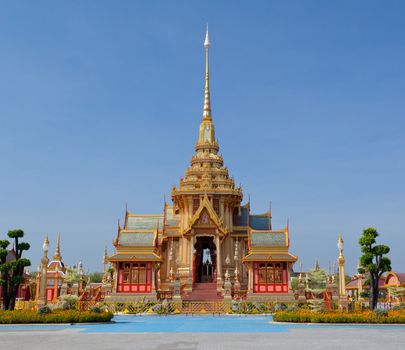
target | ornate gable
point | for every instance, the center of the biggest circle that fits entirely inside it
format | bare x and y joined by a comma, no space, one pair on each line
205,216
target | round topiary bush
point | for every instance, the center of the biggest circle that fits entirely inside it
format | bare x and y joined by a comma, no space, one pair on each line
381,312
400,306
44,310
280,307
95,309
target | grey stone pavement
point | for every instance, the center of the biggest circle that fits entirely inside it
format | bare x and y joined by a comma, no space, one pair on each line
309,338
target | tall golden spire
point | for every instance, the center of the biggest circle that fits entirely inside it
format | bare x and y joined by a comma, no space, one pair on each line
57,250
207,102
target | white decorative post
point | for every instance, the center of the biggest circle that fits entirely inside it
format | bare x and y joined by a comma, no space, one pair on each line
236,285
228,284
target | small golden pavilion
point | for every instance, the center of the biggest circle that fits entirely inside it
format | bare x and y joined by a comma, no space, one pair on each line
206,242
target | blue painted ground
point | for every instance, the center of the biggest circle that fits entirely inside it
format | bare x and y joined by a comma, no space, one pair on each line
186,324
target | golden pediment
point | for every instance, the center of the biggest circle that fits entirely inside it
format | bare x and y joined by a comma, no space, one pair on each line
205,216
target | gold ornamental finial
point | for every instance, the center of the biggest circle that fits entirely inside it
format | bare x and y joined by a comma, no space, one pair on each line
45,246
340,245
207,102
57,249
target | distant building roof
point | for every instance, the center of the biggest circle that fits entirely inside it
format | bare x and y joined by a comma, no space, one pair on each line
395,278
144,222
353,284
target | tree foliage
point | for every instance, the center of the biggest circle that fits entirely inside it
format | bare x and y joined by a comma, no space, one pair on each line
96,277
12,266
71,275
373,261
316,281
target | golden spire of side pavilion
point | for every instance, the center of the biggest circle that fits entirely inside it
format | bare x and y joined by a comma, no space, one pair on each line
57,255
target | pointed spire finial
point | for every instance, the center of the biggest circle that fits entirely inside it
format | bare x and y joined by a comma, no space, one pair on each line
45,246
207,102
207,43
317,267
57,249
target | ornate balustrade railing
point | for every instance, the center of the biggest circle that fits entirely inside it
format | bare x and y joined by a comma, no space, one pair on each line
181,307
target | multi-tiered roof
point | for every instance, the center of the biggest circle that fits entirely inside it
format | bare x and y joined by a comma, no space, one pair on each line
207,172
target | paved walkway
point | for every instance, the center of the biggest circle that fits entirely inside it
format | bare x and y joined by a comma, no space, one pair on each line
154,337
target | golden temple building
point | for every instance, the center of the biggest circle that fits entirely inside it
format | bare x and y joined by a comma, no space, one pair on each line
206,245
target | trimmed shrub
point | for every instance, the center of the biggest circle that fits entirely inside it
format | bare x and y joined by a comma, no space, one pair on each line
381,312
400,306
306,316
280,307
292,308
44,310
95,309
58,316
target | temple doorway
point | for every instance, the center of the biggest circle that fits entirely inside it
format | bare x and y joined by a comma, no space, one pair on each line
205,260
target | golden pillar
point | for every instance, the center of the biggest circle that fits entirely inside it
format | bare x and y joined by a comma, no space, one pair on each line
56,285
38,283
44,267
342,281
359,285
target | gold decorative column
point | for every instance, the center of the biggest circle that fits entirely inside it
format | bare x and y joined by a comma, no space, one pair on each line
359,285
342,281
44,267
219,265
56,285
38,283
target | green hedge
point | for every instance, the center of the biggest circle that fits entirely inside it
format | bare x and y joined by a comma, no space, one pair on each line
68,316
365,317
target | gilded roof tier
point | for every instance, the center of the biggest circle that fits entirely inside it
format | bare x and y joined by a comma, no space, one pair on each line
207,171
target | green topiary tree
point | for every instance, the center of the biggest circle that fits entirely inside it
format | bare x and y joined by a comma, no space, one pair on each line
316,284
12,268
71,276
373,261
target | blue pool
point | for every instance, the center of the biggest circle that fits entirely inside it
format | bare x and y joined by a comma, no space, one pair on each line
185,324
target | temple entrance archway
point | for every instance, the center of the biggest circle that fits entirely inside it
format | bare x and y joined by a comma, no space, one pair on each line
205,259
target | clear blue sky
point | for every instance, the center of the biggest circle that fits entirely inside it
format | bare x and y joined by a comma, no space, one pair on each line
100,103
